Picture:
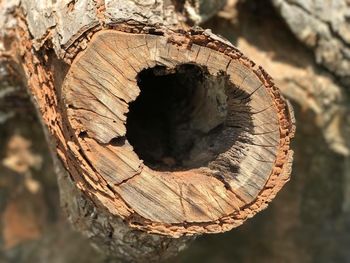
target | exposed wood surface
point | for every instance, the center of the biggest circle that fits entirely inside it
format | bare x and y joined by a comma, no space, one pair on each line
242,168
311,212
236,182
225,152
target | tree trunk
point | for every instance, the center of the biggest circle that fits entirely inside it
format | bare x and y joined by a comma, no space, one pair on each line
164,132
325,28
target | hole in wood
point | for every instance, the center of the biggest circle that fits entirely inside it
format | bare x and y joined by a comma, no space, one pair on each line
175,121
220,140
82,134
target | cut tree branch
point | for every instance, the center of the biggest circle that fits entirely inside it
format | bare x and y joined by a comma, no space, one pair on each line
164,132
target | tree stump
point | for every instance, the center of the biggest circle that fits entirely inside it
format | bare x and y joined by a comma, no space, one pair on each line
171,132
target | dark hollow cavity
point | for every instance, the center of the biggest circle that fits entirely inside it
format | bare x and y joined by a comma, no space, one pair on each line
178,121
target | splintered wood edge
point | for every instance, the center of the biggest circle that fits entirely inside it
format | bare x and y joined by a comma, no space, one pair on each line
121,183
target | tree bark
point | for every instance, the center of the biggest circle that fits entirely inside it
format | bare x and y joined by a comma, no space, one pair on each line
140,188
325,28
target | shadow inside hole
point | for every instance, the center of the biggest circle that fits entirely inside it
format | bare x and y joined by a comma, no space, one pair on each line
182,118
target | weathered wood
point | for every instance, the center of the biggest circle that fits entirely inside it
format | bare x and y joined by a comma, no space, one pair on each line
217,152
192,197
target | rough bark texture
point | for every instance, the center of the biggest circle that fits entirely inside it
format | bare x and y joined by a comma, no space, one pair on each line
199,11
324,27
229,154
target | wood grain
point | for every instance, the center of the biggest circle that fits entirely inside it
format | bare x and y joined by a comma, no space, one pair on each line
249,152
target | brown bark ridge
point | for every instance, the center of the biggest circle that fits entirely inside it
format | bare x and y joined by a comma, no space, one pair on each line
169,131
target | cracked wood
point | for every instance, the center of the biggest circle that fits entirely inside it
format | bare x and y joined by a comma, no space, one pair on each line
98,89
